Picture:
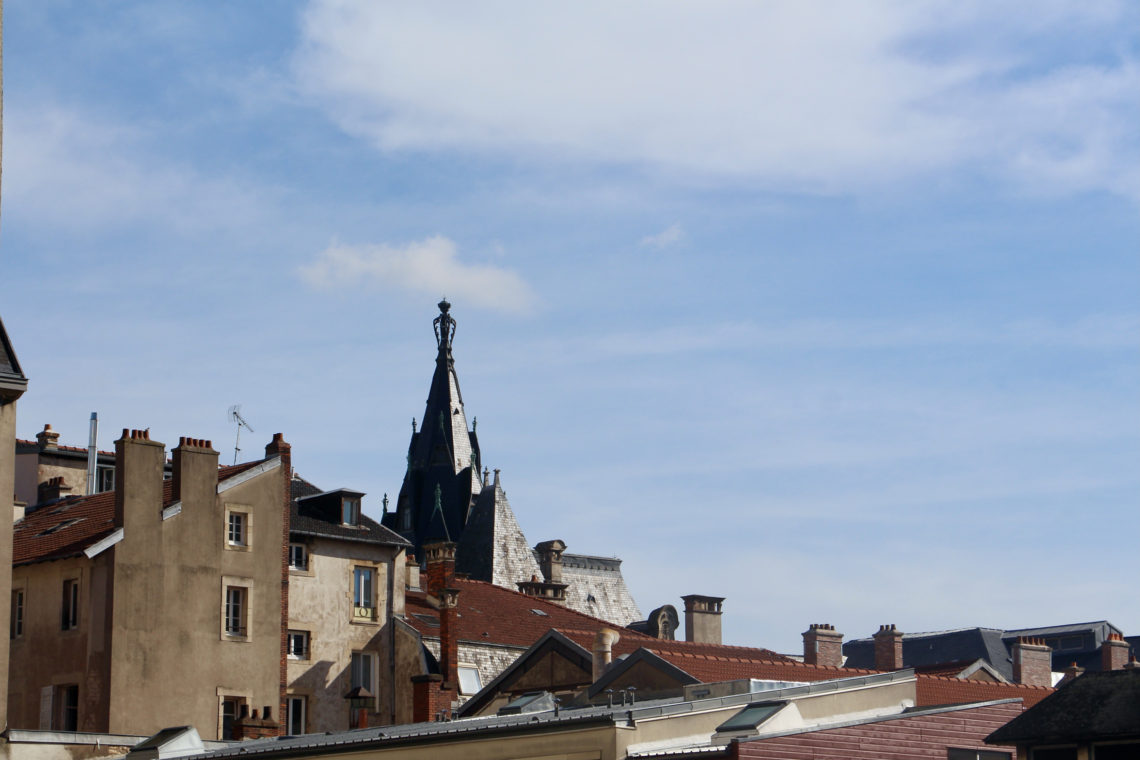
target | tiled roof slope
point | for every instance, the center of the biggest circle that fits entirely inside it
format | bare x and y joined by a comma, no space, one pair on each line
22,443
939,648
494,615
304,520
940,690
66,527
1103,705
493,547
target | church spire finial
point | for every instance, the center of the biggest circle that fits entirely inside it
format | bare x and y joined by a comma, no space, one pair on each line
444,326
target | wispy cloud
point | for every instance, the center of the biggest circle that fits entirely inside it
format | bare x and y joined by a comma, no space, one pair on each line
669,236
430,266
789,95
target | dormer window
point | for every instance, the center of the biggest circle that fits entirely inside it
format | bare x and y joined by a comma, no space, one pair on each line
350,510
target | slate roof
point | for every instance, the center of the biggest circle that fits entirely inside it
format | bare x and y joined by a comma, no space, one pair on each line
65,528
1103,705
940,647
595,586
306,518
13,383
493,547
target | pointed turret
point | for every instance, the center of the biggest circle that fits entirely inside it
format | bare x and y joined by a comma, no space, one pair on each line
442,479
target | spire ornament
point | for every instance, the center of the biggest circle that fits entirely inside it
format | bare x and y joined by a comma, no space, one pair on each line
444,326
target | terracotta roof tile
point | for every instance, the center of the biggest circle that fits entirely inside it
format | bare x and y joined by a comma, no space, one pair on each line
77,449
942,690
66,527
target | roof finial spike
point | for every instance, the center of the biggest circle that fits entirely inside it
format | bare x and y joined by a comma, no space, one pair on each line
385,503
413,424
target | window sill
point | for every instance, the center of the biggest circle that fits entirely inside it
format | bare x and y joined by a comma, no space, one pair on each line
237,547
239,637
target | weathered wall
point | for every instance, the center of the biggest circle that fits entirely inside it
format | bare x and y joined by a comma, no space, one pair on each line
45,656
321,602
173,662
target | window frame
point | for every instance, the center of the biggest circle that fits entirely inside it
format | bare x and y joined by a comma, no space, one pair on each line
298,635
69,608
303,551
363,662
290,725
467,667
360,574
16,623
243,587
65,707
350,510
243,515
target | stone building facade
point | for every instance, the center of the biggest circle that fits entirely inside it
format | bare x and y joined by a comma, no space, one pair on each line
160,603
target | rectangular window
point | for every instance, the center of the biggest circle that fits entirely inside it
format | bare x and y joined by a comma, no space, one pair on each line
235,611
69,615
298,557
469,680
104,479
350,511
363,664
362,592
17,627
230,709
67,708
295,716
297,645
236,535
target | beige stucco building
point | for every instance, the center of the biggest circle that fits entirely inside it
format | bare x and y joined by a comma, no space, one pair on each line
162,602
346,601
12,386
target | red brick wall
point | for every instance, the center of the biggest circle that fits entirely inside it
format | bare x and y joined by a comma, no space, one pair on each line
430,696
923,736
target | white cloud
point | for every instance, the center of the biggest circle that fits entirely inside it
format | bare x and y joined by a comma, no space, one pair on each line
428,266
69,168
671,235
791,95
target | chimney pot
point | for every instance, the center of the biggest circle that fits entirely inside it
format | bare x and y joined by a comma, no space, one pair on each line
823,646
1032,661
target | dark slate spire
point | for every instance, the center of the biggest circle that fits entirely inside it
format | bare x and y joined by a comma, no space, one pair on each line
443,455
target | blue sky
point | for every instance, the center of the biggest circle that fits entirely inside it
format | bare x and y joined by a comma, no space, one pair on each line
829,309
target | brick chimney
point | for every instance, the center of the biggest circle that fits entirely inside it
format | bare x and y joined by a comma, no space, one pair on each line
440,560
249,726
194,471
702,618
1113,652
139,463
47,439
1032,662
53,488
1073,671
449,638
823,646
888,648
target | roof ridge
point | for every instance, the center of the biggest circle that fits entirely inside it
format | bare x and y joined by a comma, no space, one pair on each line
932,676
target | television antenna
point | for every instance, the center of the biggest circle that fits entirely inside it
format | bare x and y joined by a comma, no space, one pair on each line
235,417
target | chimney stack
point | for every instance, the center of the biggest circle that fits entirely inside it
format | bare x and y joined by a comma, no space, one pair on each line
440,557
139,463
1032,662
550,560
604,651
1113,652
47,438
194,467
52,489
888,648
449,638
823,646
702,618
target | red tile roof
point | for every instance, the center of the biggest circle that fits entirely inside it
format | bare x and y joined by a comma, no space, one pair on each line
78,449
941,690
495,615
66,527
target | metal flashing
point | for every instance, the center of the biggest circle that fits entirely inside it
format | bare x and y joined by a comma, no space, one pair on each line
172,510
103,544
250,474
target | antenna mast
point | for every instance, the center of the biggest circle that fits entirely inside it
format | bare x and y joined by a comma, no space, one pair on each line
235,417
